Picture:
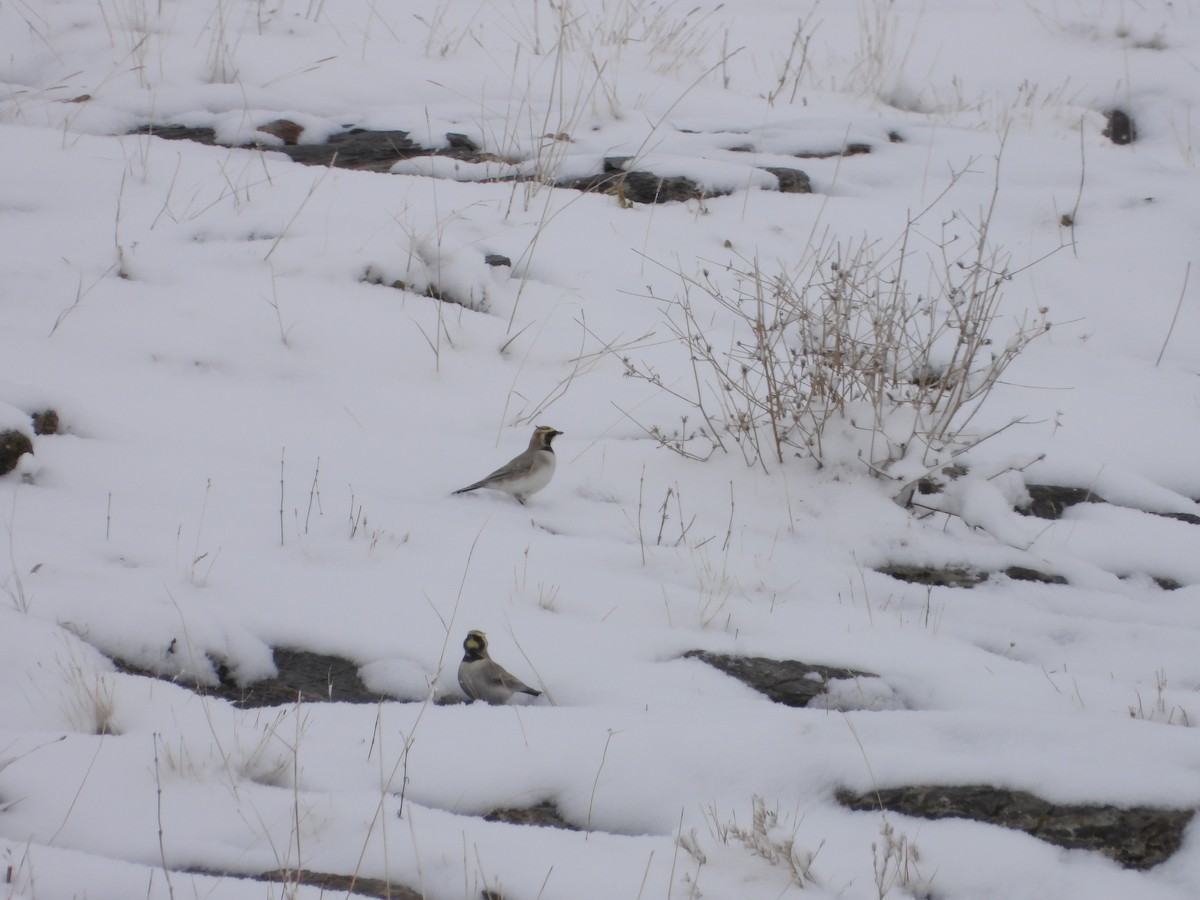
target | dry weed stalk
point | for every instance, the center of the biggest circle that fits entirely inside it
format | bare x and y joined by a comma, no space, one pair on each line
767,839
844,339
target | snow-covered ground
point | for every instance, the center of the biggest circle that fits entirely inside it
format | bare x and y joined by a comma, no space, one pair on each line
259,444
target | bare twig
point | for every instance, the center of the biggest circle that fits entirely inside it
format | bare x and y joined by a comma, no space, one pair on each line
1186,272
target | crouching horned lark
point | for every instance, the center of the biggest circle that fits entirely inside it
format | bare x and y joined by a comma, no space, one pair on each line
482,678
525,474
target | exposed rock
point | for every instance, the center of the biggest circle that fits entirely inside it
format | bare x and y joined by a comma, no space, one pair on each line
545,815
357,148
373,151
785,681
432,291
1138,837
791,181
378,151
641,187
1020,573
180,133
931,484
45,422
852,149
301,675
1190,518
1167,584
646,187
946,576
1047,501
1120,128
495,259
13,445
317,676
285,129
461,142
638,187
962,577
334,884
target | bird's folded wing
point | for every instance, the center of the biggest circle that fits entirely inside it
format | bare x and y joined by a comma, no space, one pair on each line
513,467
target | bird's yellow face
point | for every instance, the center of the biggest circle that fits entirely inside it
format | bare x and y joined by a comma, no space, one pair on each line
546,434
476,642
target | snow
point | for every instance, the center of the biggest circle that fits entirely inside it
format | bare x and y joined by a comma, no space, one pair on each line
260,432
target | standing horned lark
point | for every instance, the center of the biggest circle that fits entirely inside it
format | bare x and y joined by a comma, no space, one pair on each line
525,474
482,678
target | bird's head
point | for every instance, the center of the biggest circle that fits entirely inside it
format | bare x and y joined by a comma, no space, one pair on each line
543,435
476,643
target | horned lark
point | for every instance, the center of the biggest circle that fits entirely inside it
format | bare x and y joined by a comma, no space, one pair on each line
525,474
482,678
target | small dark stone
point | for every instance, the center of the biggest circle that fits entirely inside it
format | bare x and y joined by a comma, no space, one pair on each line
1167,584
946,576
1138,837
933,485
791,181
929,485
895,137
1120,128
495,259
459,141
1047,501
785,681
856,149
13,445
45,422
1020,573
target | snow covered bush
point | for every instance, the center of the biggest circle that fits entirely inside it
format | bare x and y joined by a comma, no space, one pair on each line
840,358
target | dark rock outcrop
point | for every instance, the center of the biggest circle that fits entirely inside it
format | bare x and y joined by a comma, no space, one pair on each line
378,151
1047,501
545,815
962,577
785,681
791,181
301,676
935,576
326,882
13,445
1136,837
1021,573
